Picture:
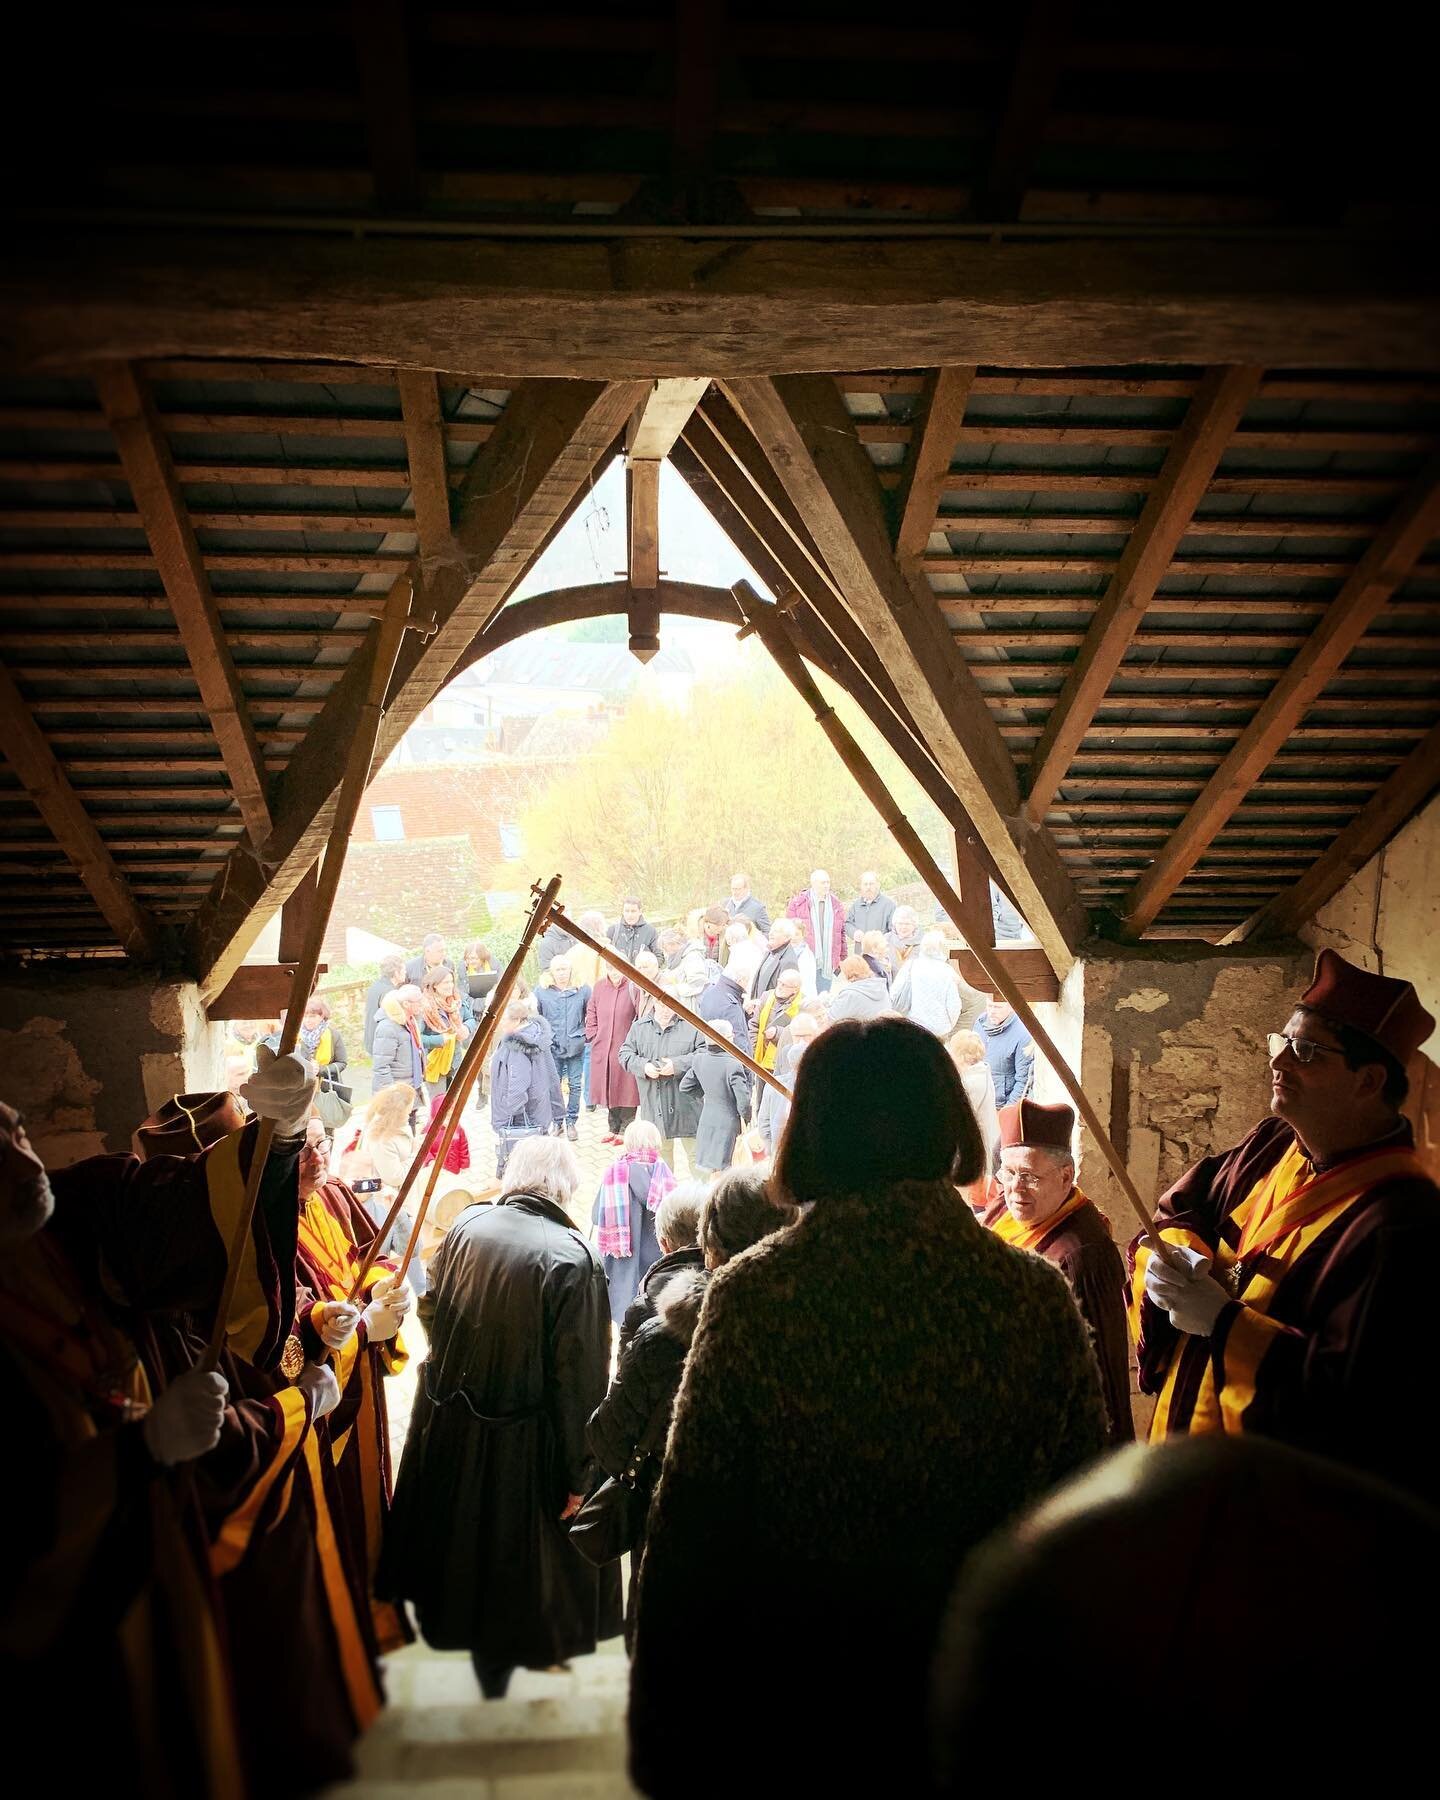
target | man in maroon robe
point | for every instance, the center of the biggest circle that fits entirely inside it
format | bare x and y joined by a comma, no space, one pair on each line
1035,1205
1298,1296
108,1602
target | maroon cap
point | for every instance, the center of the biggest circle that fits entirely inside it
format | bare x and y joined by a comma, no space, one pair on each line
1030,1126
187,1124
1384,1009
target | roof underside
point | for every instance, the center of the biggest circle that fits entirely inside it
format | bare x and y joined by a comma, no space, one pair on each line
298,491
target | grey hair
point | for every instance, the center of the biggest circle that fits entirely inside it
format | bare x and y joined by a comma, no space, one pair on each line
933,944
594,922
677,1218
544,1166
1056,1155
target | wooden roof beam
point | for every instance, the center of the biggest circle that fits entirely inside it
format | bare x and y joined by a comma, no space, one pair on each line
520,487
1386,563
429,472
654,427
32,759
145,455
809,439
1034,77
1210,422
1404,792
382,54
937,431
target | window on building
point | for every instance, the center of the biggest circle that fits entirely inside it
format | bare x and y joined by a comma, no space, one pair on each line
512,842
388,824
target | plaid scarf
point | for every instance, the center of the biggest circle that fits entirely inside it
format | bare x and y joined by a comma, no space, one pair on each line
612,1211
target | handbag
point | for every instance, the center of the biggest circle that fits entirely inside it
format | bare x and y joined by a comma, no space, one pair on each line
333,1104
607,1525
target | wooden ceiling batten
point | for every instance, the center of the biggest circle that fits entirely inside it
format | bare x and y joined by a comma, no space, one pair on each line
1210,422
1386,563
1402,794
32,759
145,455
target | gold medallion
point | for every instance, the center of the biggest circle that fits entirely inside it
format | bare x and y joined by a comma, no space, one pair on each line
292,1359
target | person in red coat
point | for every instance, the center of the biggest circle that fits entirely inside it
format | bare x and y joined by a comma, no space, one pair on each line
608,1017
821,918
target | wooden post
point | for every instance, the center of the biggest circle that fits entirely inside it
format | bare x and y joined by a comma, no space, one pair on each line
608,953
441,1128
774,631
352,789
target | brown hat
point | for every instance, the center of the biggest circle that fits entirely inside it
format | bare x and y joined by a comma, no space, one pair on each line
188,1123
1386,1010
1030,1126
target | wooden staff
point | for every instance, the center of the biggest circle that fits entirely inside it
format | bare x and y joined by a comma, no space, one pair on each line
443,1126
352,790
607,953
776,635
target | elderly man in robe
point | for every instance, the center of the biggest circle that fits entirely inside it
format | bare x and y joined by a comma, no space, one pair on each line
1299,1301
1036,1205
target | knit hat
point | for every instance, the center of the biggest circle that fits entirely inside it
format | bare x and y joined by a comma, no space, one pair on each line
188,1123
1387,1010
1030,1126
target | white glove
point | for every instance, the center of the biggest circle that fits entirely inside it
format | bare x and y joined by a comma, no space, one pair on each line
185,1420
337,1323
1191,1296
317,1382
398,1295
381,1321
281,1089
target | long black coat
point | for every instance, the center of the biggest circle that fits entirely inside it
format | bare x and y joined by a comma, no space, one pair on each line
662,1104
726,1089
497,1442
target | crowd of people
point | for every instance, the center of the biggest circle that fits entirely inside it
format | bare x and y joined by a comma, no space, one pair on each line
584,1036
858,1411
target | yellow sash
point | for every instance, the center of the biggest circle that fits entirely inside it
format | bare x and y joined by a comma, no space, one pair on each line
1027,1237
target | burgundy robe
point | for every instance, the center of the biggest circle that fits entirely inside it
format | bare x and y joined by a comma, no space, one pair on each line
1081,1247
1339,1363
608,1018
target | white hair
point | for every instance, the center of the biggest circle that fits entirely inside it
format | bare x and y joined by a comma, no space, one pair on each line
905,912
594,922
933,944
408,991
819,875
640,1134
544,1166
736,933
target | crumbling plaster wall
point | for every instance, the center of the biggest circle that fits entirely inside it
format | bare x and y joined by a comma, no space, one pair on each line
85,1055
1171,1041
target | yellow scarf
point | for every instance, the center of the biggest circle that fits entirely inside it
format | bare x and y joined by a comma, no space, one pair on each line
1027,1237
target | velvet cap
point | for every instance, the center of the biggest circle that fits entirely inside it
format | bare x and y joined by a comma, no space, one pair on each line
187,1124
1387,1010
1030,1126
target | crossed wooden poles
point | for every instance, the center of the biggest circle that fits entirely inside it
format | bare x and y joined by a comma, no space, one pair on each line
776,633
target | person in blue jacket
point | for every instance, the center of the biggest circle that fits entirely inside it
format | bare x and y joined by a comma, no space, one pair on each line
1008,1050
562,1006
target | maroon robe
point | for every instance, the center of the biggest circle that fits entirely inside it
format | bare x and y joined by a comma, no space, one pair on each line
608,1018
1343,1368
1081,1247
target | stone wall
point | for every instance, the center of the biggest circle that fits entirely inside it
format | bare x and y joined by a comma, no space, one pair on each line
86,1054
1172,1052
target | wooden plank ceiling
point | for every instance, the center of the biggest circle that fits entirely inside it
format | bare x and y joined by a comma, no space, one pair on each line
1046,492
1198,602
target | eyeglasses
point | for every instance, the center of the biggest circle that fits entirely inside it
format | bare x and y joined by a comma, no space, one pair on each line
1017,1178
1304,1050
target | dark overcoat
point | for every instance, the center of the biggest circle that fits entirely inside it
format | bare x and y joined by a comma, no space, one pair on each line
725,1087
519,1356
608,1017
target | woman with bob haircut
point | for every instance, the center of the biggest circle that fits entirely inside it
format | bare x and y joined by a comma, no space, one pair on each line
869,1394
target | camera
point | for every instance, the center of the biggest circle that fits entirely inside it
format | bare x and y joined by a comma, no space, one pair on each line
372,1185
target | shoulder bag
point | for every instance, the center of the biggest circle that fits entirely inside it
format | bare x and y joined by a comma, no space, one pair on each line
607,1525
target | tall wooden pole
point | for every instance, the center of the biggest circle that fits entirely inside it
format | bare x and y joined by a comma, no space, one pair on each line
608,953
352,789
442,1127
774,631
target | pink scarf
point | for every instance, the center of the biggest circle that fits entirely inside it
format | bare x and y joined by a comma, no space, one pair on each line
612,1210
